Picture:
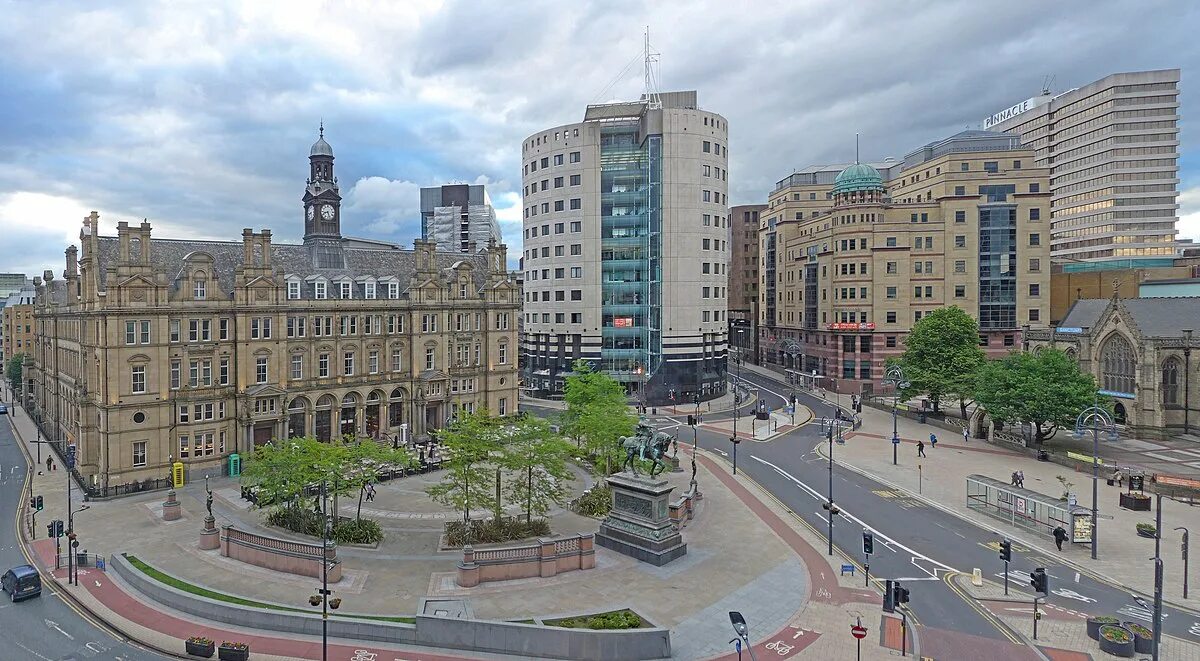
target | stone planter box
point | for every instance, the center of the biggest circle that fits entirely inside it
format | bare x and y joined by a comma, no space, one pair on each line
200,649
233,654
1146,533
1094,624
1124,649
1142,644
1135,502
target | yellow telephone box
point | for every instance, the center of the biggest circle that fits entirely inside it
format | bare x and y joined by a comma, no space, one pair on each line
177,474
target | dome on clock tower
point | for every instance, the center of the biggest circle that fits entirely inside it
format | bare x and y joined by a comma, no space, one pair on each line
320,147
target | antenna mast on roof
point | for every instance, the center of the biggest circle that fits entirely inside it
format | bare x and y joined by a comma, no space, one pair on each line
856,149
650,92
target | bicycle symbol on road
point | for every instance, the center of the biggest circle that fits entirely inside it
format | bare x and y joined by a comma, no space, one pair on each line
824,594
781,648
363,655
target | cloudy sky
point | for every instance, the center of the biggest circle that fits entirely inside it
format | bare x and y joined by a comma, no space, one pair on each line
198,115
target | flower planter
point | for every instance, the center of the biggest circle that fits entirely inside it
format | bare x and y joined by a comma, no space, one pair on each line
227,653
1135,502
1094,624
200,649
1143,637
1122,646
1148,533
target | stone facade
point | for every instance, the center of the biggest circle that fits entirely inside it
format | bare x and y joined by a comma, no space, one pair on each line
17,329
743,276
1140,346
152,350
963,221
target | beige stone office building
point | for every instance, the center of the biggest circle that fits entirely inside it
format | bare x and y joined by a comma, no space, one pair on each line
963,221
626,246
16,326
743,277
152,349
1112,147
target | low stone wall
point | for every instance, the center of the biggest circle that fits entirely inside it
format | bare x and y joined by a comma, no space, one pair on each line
683,509
527,640
279,554
544,558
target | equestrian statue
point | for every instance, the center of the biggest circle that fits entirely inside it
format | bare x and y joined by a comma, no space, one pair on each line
645,444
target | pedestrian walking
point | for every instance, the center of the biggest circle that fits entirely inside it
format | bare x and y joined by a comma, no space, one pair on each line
933,441
49,463
1021,478
1060,536
920,448
966,435
1013,478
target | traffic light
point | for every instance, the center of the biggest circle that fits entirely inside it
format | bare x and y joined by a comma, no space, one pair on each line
691,420
38,506
899,594
55,528
696,398
889,593
868,543
1040,581
1006,550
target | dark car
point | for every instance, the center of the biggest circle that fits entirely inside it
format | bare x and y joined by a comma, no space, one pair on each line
3,409
22,582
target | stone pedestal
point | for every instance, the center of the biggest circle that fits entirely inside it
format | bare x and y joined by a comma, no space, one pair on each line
672,462
210,537
171,509
639,524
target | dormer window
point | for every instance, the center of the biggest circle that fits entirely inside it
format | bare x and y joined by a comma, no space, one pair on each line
199,289
319,290
293,290
346,289
393,290
369,290
462,291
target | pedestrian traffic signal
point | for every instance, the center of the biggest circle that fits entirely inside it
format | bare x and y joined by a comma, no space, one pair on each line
691,420
1040,581
899,594
868,543
1006,550
888,593
55,527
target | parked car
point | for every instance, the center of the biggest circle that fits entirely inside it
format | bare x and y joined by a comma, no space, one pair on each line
3,409
21,582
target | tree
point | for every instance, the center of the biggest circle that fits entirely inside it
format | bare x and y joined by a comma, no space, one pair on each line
14,371
942,356
470,443
282,469
1045,389
531,449
362,461
597,413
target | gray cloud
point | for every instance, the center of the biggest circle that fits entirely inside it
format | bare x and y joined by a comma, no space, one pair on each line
200,117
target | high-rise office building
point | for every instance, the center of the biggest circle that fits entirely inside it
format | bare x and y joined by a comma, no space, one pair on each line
625,248
743,277
457,216
1112,147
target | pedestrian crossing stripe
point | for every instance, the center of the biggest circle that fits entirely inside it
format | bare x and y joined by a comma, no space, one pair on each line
995,546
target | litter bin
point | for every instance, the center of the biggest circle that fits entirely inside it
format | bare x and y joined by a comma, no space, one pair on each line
81,558
921,417
1043,455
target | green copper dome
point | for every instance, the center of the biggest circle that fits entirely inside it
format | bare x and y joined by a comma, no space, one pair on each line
858,177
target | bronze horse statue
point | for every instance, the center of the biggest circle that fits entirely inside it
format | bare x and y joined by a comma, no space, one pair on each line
646,444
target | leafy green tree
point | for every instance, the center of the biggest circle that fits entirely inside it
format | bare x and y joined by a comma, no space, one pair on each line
362,460
942,356
282,469
539,458
13,370
470,478
597,413
1044,388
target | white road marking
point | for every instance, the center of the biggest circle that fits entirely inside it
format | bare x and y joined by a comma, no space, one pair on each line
54,625
848,515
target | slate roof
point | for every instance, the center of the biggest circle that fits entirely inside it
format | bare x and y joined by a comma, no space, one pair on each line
379,260
1154,317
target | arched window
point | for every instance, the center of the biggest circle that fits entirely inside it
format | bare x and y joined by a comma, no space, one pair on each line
1117,364
1170,381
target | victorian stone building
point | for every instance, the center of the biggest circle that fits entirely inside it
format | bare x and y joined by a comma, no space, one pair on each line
152,350
1138,346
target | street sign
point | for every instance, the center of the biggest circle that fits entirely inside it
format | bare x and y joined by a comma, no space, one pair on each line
858,632
895,440
1118,394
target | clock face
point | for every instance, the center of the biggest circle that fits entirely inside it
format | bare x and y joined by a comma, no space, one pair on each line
312,211
327,212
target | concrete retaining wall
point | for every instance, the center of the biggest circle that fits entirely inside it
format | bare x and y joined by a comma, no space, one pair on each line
433,631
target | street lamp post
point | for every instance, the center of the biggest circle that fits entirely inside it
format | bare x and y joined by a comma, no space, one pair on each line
322,596
1187,380
895,376
1183,546
1097,418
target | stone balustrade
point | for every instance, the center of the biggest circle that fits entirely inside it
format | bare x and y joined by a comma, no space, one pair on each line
545,557
280,554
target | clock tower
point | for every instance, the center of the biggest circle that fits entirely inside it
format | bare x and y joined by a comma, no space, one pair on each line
322,201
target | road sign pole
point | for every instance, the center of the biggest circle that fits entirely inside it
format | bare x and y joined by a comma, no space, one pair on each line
1035,615
903,634
1006,578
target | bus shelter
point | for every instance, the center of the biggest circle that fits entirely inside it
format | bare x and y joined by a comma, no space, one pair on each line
1028,509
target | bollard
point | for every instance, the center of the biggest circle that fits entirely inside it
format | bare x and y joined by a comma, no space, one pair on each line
977,578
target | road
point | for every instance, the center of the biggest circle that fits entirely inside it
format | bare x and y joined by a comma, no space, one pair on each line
45,627
915,543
